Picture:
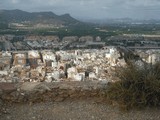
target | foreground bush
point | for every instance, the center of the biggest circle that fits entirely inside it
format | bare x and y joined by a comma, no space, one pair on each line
137,87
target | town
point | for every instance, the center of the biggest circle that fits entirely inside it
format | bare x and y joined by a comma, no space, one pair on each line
49,65
79,60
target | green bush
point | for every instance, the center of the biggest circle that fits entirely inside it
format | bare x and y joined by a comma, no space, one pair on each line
138,86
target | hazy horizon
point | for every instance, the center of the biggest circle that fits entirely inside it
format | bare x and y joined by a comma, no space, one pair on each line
90,9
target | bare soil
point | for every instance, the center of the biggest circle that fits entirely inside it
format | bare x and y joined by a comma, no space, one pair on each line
85,109
63,101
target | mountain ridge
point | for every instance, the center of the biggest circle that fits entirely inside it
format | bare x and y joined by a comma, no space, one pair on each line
48,17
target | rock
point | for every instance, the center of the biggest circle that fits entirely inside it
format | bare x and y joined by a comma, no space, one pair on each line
66,86
42,88
35,87
1,92
7,87
33,117
92,117
29,86
59,99
1,103
8,118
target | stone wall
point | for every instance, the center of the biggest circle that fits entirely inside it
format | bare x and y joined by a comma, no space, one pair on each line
58,91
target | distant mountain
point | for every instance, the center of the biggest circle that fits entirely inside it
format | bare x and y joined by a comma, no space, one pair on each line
36,18
118,21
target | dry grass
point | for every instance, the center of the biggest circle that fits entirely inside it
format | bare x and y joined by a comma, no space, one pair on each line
137,88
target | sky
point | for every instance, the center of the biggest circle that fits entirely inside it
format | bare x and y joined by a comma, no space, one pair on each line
90,9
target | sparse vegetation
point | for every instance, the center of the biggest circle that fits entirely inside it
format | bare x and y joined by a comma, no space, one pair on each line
138,87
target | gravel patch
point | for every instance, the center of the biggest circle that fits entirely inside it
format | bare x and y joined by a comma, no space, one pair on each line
87,109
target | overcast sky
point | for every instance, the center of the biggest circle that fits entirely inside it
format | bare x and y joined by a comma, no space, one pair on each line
90,9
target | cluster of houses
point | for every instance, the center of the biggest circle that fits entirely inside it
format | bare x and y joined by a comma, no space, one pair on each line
149,56
39,42
50,66
134,40
70,65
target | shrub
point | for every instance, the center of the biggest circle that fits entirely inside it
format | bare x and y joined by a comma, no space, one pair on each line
138,86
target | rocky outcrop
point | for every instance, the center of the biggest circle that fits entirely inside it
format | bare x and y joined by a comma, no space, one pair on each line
58,91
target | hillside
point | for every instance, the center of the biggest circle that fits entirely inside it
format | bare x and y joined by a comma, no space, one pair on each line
39,19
